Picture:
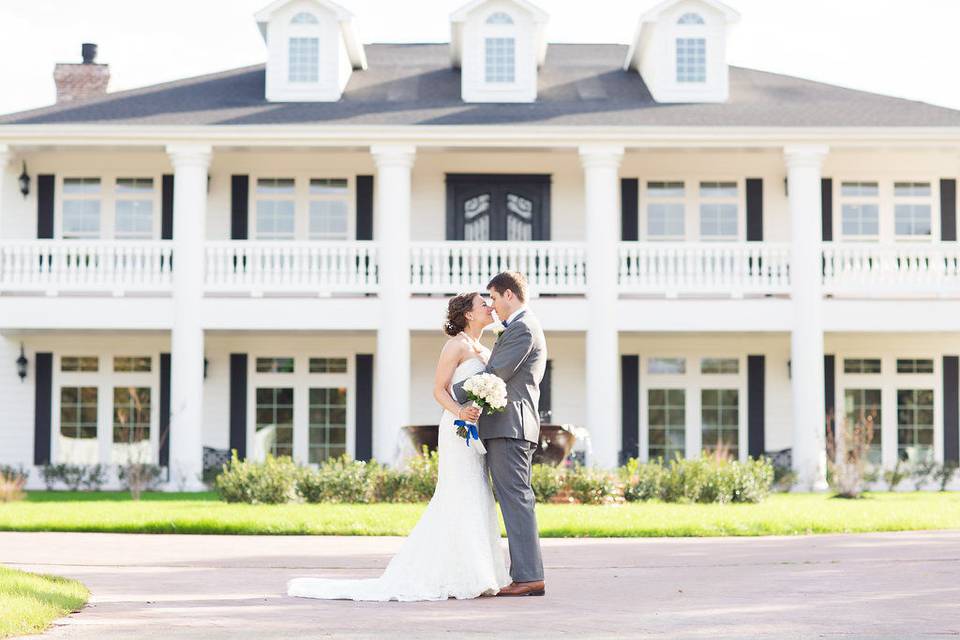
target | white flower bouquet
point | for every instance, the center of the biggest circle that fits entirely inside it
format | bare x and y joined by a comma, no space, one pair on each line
489,393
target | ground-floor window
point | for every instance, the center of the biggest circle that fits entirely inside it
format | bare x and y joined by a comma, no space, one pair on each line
720,420
328,424
274,421
863,407
915,424
78,425
666,423
131,425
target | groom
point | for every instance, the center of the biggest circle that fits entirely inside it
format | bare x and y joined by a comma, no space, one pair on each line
519,357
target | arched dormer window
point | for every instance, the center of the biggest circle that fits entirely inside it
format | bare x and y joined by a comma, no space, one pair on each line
303,49
304,18
500,49
499,18
691,47
691,18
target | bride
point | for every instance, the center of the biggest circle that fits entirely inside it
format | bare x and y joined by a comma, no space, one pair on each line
454,550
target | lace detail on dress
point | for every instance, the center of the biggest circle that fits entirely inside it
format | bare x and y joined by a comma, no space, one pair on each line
454,550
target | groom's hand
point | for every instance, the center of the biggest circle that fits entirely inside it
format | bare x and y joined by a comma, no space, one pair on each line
470,414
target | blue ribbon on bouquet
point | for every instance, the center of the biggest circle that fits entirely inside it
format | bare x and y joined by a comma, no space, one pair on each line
471,430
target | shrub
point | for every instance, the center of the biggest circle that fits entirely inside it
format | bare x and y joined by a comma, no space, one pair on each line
421,477
893,477
847,460
336,480
138,477
547,481
643,481
590,486
923,473
272,481
944,474
51,475
12,480
74,476
386,484
752,480
94,477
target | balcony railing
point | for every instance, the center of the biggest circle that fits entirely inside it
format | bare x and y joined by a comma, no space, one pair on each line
96,266
321,268
882,270
452,267
706,268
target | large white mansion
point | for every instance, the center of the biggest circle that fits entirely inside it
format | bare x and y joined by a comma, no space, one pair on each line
259,259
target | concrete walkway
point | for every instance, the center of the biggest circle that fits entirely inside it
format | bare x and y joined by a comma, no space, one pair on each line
900,585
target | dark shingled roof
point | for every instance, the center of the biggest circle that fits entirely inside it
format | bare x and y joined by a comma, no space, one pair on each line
414,84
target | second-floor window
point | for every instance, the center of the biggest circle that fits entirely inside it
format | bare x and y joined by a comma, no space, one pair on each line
718,210
82,198
912,209
134,208
885,211
665,210
860,209
706,210
328,209
302,209
121,208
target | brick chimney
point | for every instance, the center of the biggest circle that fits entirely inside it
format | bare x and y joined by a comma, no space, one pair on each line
80,81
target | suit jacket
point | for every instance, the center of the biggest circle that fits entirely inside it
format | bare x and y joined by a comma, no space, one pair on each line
519,357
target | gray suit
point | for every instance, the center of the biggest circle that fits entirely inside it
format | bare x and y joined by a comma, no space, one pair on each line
520,358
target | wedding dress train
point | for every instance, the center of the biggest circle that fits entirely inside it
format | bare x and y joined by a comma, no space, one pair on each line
453,551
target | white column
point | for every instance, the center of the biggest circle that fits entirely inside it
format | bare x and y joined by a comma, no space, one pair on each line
391,384
190,164
601,164
806,341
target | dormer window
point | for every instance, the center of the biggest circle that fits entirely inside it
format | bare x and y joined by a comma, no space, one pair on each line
691,60
500,49
691,18
303,52
304,18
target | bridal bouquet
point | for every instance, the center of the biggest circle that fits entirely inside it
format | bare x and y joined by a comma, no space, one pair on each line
489,393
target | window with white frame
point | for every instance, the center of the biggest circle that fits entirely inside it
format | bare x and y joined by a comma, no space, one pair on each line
719,210
304,18
915,425
666,423
862,410
500,60
275,365
79,364
329,206
720,366
134,208
132,364
860,210
327,426
82,198
274,421
861,365
328,365
131,425
666,366
303,59
912,209
691,18
666,211
914,365
720,421
691,60
275,209
77,443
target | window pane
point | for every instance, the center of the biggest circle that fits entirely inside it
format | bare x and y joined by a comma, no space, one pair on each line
304,60
328,220
718,189
911,189
666,365
666,423
720,420
81,218
690,18
915,425
720,365
912,219
131,425
862,408
499,18
139,364
499,59
335,186
72,186
274,422
860,219
691,60
304,18
140,186
914,365
328,365
275,219
665,189
328,424
79,363
861,365
77,437
274,365
665,220
863,189
718,220
134,219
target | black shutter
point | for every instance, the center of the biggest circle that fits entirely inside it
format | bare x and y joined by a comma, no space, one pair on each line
238,403
363,401
756,382
239,203
166,208
629,209
826,208
754,209
829,390
43,408
364,207
546,393
164,409
46,185
951,409
630,407
948,209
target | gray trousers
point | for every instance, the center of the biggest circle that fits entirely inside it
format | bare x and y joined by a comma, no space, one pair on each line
508,460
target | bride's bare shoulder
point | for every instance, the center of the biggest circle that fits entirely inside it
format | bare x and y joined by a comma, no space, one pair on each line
455,345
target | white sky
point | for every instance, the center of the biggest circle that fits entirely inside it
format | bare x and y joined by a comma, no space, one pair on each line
904,48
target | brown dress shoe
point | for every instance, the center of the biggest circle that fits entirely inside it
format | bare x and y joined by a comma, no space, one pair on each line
523,589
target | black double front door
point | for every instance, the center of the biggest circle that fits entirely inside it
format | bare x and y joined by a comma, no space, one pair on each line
511,207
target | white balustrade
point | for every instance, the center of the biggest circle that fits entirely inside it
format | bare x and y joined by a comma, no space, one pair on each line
731,269
883,270
321,268
96,266
453,267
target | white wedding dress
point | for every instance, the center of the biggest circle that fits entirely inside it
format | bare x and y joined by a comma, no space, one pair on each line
453,551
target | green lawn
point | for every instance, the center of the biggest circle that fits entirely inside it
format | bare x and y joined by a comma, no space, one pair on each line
29,602
781,514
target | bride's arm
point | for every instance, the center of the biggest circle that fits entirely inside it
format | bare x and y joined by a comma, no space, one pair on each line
450,357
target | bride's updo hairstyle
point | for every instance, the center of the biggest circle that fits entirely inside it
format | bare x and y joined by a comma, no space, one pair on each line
457,310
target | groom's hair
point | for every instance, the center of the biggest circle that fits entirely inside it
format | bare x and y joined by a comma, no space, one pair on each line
510,281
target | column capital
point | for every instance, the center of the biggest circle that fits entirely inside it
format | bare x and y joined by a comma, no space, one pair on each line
805,155
393,155
601,155
190,155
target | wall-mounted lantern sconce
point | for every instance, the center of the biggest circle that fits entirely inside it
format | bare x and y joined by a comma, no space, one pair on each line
24,181
786,186
22,364
208,183
206,365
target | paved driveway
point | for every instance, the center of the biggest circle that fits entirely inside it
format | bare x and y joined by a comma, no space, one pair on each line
900,585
